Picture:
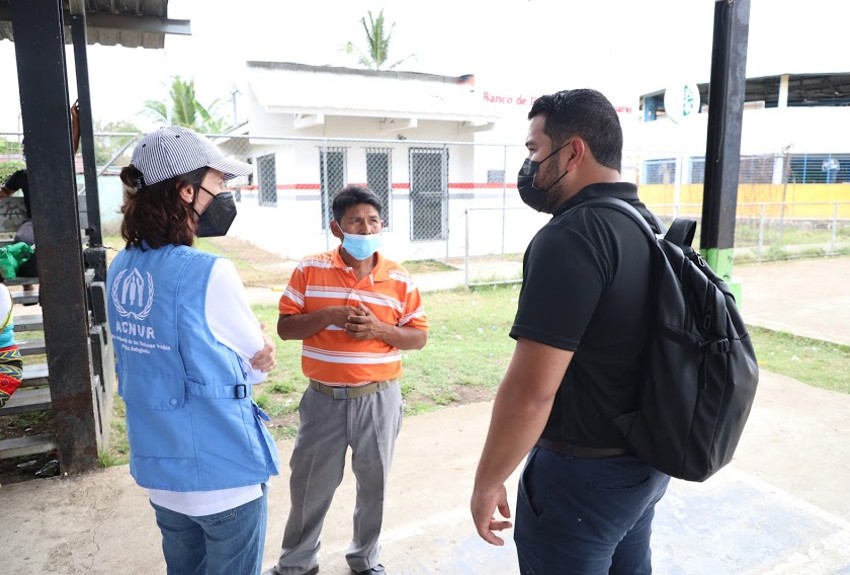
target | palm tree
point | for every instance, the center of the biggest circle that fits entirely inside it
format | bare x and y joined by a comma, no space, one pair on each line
378,42
185,109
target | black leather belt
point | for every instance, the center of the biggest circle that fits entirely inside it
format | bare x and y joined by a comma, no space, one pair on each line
571,450
349,391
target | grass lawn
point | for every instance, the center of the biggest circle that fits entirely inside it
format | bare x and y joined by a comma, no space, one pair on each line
817,363
468,351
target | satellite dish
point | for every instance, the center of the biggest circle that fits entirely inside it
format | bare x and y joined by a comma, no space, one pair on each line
681,101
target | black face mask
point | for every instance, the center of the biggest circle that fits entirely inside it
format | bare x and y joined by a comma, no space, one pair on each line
219,215
533,196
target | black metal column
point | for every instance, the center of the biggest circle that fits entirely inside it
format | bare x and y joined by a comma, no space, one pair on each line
78,34
43,83
726,97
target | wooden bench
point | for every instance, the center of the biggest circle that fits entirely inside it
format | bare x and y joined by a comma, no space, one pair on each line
34,393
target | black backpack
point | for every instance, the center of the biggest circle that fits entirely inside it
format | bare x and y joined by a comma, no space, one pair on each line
701,373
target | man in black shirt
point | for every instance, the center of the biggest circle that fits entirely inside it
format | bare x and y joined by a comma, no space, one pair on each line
585,504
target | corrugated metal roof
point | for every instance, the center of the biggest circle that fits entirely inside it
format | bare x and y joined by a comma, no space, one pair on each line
300,88
129,23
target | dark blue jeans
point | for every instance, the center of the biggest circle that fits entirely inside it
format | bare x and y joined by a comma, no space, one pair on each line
578,516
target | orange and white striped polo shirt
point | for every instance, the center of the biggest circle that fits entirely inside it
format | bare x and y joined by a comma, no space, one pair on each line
331,355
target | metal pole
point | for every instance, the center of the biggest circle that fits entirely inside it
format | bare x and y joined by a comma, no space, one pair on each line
504,195
78,33
727,93
834,228
38,27
325,197
466,249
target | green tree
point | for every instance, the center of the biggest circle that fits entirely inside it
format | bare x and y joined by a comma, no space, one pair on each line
378,38
10,158
185,109
107,146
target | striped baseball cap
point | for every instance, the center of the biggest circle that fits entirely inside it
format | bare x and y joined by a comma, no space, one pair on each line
175,150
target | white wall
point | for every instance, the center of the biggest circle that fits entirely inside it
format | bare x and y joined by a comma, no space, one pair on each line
764,131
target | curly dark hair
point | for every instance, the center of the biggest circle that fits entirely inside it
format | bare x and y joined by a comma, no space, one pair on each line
155,214
585,113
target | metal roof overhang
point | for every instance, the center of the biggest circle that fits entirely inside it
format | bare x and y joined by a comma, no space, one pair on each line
812,89
128,23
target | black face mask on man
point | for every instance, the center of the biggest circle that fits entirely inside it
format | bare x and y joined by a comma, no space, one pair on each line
219,215
534,197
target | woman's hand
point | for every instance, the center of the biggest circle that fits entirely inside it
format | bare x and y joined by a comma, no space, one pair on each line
265,360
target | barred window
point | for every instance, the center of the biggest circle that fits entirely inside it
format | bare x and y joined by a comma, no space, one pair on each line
819,168
331,178
379,178
660,171
756,170
267,175
697,170
495,176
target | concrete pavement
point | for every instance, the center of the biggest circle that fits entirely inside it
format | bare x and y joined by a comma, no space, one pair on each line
779,508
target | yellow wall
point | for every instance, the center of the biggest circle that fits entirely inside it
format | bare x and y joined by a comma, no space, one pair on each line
809,200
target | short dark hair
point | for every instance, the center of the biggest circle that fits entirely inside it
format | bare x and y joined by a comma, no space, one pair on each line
585,113
156,214
352,195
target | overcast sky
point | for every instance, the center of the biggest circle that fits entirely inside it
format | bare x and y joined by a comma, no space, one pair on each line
622,47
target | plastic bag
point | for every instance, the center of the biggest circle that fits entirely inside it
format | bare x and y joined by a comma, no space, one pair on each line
12,256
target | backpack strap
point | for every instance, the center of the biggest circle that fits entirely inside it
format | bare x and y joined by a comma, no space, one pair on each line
621,206
680,233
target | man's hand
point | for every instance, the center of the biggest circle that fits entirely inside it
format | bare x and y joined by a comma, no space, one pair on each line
483,506
340,314
364,324
264,360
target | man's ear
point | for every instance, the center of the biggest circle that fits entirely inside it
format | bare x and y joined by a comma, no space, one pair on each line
336,230
577,151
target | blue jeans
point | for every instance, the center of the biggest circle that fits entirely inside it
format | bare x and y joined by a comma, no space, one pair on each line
226,543
578,516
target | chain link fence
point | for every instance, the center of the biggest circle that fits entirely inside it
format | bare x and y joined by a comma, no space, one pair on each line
456,200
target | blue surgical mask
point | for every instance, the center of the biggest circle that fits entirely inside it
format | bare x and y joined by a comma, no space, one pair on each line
361,247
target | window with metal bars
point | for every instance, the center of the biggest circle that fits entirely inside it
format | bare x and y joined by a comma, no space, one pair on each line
267,177
379,178
331,178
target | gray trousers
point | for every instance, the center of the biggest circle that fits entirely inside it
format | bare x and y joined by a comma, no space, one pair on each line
370,426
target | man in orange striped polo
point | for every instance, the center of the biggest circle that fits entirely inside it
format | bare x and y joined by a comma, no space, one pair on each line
355,312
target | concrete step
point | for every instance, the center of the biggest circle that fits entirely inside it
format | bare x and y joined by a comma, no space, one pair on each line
23,446
20,281
35,375
27,399
25,297
29,323
32,347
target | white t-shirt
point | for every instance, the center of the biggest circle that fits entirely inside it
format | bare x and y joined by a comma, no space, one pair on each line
232,323
5,306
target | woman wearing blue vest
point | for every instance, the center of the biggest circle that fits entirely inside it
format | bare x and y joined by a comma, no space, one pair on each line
189,350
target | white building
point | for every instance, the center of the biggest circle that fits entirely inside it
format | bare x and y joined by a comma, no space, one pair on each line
794,145
410,137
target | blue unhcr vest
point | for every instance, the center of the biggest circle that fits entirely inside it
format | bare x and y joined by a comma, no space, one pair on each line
191,423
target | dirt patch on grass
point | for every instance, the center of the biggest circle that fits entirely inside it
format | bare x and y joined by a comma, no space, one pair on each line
256,266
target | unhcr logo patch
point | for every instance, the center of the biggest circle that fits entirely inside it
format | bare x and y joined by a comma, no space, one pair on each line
132,294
